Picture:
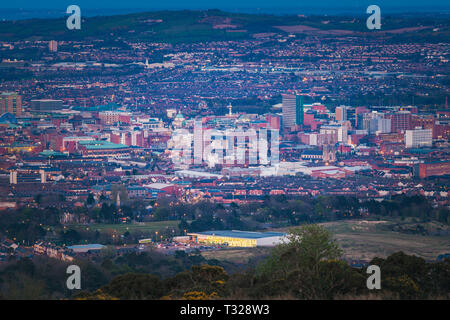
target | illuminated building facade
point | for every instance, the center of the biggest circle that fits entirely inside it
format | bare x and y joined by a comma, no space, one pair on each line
236,238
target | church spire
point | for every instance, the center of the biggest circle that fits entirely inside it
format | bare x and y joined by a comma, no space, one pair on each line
118,199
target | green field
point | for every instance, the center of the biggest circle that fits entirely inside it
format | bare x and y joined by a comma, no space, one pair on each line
143,227
241,256
366,239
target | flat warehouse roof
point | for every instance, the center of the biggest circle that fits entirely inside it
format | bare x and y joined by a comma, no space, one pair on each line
239,234
87,246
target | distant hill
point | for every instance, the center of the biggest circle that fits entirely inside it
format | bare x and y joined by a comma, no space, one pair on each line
215,25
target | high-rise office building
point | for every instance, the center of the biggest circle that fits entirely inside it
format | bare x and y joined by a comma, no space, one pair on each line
341,113
292,110
358,112
363,121
384,125
400,121
334,133
374,122
11,102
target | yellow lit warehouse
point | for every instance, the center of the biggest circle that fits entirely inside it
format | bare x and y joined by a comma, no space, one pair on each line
236,238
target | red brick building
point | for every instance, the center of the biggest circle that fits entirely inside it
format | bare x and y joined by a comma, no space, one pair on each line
434,169
400,121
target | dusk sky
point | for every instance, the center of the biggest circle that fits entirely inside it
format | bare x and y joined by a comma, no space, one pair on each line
53,4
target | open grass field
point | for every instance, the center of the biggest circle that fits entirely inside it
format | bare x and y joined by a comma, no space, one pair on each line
239,256
143,227
364,240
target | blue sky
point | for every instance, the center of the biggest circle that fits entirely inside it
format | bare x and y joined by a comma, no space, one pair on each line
222,4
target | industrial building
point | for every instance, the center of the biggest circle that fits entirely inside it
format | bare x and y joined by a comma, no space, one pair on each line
101,148
84,248
46,105
236,238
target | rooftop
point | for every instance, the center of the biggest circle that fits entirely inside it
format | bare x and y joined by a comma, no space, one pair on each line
101,144
87,246
240,234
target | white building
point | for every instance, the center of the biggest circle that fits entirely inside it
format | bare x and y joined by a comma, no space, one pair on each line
384,125
335,133
418,138
197,174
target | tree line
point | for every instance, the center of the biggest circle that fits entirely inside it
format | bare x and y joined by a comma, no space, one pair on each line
308,266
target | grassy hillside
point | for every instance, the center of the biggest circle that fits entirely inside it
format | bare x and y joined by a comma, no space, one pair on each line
367,239
213,25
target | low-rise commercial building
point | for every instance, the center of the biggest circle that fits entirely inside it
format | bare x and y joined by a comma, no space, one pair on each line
236,238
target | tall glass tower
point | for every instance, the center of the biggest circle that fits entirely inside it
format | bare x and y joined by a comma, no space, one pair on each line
292,107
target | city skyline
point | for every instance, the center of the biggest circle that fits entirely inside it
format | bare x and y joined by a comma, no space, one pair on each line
225,156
